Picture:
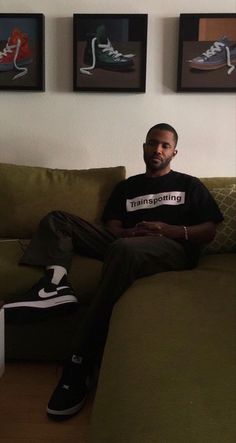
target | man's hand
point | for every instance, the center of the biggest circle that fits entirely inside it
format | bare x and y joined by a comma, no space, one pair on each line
116,227
136,231
154,229
201,234
158,228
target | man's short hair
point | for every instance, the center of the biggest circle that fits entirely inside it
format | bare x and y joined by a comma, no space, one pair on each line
165,127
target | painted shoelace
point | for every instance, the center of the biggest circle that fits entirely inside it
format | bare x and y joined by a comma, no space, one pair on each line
218,47
9,50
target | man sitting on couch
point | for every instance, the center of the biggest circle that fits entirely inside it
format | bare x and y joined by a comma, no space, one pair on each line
153,222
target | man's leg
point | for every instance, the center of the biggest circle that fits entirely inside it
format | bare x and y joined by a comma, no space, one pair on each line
126,260
59,235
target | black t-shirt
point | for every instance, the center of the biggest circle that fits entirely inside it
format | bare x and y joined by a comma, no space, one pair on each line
174,198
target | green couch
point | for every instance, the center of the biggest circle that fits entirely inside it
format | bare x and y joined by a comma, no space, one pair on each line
168,373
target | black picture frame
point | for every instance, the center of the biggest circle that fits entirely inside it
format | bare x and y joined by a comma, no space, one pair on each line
22,52
109,52
207,53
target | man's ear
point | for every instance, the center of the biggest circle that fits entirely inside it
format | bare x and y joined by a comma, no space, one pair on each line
175,152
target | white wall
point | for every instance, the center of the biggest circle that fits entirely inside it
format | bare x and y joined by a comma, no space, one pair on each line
63,129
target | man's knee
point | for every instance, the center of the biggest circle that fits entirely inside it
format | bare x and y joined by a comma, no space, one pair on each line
123,248
52,216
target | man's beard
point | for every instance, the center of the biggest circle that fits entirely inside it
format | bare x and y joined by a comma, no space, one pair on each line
156,166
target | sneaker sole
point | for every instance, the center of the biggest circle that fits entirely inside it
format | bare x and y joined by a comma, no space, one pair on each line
209,67
43,304
119,68
66,413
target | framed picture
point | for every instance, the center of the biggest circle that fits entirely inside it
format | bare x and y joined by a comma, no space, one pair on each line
207,53
22,52
110,52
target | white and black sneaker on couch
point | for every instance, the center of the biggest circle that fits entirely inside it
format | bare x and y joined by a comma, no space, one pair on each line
43,296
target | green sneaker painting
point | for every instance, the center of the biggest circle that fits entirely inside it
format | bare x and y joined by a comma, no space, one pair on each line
99,53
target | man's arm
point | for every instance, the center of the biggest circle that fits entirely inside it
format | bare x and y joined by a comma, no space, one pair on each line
201,233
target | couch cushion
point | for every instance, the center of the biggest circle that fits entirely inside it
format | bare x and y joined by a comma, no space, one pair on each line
168,372
28,193
225,239
219,262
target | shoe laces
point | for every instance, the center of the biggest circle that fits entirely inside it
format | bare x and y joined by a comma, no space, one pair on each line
218,47
9,49
110,50
106,47
90,68
74,372
229,64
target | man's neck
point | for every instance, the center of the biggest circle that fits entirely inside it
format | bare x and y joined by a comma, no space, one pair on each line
154,174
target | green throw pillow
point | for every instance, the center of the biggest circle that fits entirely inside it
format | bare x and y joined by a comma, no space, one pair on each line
225,239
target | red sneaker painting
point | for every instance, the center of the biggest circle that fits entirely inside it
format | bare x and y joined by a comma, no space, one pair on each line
17,54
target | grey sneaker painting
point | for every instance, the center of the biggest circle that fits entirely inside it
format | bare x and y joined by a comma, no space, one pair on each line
221,54
207,53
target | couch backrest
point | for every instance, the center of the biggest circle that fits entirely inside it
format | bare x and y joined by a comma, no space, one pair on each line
218,182
28,193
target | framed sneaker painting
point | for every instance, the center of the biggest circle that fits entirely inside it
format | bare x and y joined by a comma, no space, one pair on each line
22,52
110,52
207,53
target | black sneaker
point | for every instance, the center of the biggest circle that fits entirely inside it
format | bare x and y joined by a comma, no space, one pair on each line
71,392
43,296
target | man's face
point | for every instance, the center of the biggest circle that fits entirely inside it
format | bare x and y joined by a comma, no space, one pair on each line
158,151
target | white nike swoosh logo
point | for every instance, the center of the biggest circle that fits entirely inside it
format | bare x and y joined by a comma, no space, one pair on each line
43,294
